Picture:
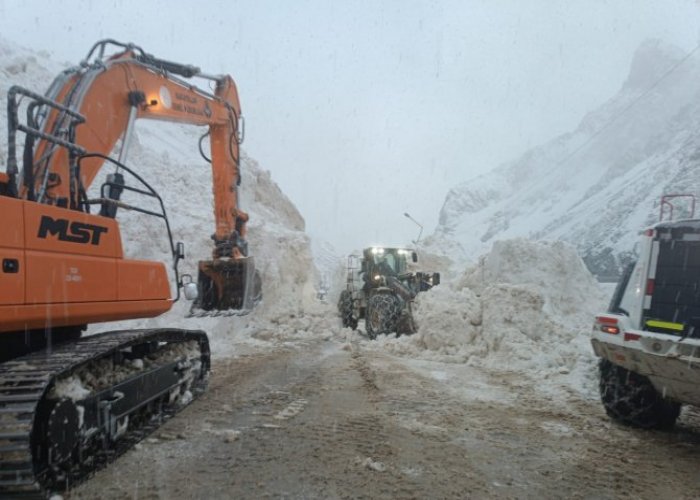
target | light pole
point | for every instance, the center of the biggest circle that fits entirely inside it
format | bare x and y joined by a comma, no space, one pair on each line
417,224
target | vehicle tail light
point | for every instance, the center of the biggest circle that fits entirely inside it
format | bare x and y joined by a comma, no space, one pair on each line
607,324
650,286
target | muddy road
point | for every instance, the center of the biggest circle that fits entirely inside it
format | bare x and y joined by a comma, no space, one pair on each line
335,420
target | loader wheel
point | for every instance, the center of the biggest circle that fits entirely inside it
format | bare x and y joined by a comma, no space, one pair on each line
631,399
383,313
346,309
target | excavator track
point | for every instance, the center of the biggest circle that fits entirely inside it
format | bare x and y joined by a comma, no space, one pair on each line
52,439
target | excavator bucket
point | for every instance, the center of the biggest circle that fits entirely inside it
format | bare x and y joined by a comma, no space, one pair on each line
227,286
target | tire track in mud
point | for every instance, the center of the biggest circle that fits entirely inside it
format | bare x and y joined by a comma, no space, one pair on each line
534,448
329,446
338,439
421,461
338,421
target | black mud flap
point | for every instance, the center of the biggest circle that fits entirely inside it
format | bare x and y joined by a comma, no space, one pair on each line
228,284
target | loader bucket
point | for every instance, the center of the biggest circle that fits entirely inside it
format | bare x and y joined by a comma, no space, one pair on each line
227,285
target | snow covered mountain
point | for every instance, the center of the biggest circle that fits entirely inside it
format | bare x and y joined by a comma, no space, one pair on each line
597,186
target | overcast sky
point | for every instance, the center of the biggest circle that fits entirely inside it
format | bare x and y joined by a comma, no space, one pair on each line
364,110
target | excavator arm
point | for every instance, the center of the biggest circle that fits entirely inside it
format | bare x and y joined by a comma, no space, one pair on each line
86,116
111,94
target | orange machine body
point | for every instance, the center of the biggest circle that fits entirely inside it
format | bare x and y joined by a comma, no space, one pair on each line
62,267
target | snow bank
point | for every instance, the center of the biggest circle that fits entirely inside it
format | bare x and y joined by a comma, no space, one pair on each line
526,307
554,269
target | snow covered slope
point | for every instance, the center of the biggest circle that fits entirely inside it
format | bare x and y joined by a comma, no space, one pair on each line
597,186
166,155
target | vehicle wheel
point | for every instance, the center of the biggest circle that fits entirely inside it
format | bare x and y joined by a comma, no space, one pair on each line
383,313
345,307
631,399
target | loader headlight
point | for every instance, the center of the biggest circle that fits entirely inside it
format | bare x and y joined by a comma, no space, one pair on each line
377,251
377,277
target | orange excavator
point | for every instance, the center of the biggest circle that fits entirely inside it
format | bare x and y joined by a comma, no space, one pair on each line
70,404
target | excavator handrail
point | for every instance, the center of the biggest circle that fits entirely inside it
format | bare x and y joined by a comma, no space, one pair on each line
102,45
152,193
14,125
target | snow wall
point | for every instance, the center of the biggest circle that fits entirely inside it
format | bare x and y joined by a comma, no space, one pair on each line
525,307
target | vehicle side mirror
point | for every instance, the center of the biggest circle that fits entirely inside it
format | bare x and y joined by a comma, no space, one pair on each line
414,257
436,279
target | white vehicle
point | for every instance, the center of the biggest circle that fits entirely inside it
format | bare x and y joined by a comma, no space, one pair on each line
649,340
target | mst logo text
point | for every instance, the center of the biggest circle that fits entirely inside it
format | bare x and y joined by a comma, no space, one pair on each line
73,232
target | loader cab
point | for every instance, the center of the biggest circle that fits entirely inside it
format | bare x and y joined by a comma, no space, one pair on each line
387,261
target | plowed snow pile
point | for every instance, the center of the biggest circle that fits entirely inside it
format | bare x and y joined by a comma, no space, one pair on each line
526,307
